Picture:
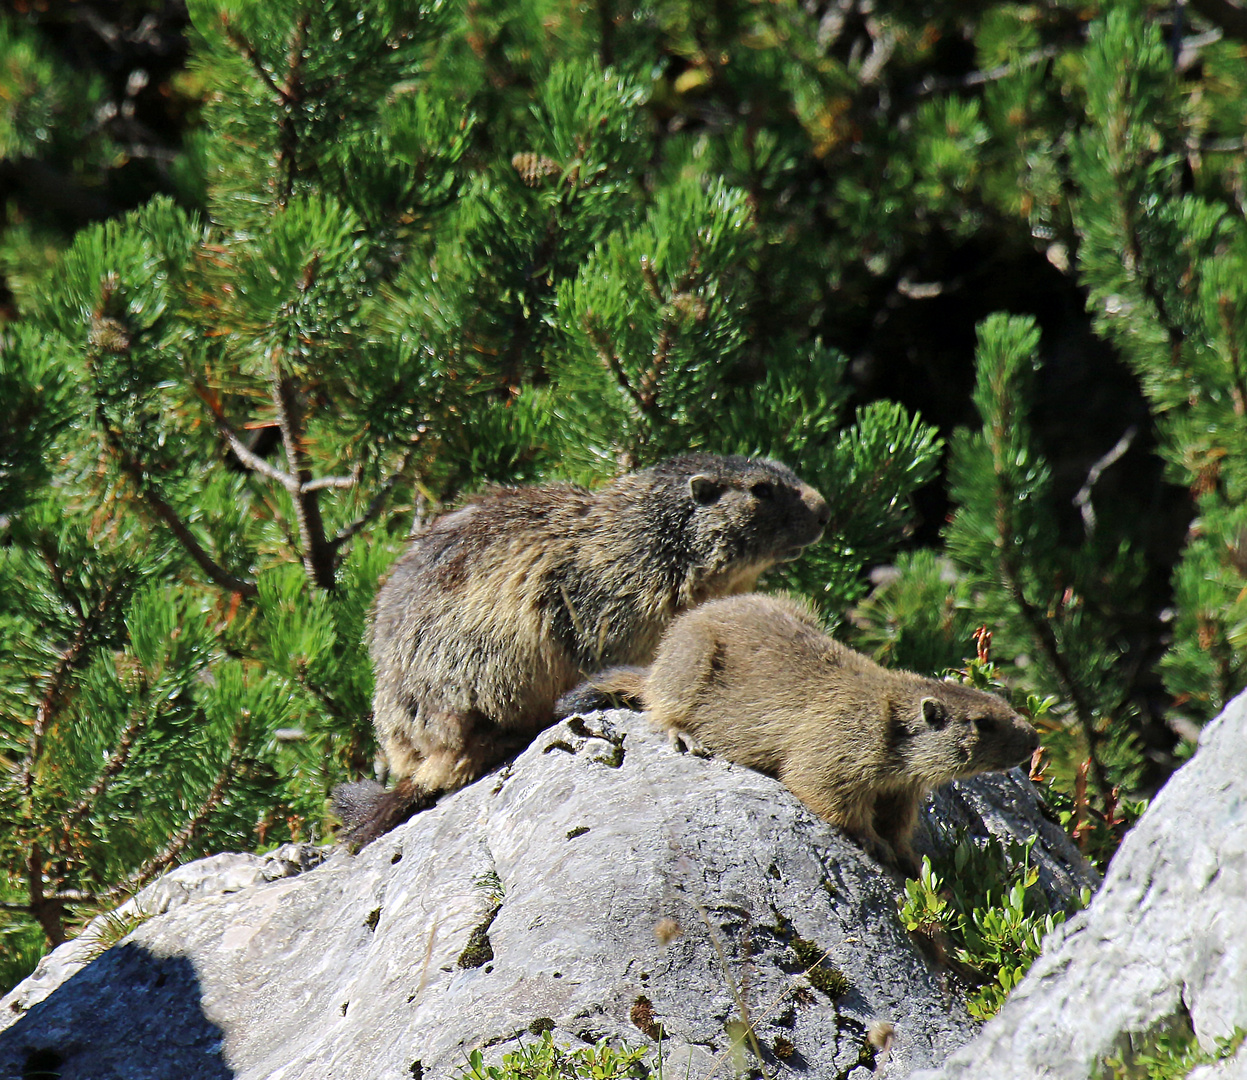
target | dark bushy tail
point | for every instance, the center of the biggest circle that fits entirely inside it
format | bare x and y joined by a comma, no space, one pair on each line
367,810
614,688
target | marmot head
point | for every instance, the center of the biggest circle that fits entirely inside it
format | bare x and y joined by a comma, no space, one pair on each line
742,511
957,731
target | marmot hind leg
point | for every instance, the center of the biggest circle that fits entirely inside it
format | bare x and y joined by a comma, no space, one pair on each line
473,747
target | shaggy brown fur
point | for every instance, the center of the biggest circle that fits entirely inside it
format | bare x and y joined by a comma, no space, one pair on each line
754,679
501,606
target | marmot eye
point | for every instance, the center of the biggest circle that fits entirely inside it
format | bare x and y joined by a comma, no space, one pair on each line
984,723
763,490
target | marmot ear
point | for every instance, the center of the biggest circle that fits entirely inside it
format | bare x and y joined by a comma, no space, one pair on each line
934,712
703,489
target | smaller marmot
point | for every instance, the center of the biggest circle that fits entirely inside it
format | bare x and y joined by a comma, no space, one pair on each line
501,606
754,679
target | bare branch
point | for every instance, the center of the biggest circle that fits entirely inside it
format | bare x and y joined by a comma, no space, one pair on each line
1227,14
323,482
1083,499
374,505
79,896
240,449
318,552
252,460
935,85
882,45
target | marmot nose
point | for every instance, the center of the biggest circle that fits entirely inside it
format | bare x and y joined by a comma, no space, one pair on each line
822,512
1031,743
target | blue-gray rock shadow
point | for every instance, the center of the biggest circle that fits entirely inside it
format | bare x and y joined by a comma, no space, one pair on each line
128,1015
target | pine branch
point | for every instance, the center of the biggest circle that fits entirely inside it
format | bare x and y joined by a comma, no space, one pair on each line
181,839
318,553
323,696
606,32
46,910
134,469
651,381
1041,629
606,352
1238,384
65,664
114,765
253,57
289,95
1045,637
1134,258
998,432
292,95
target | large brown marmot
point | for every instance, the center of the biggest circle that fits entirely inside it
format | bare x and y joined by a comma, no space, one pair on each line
754,679
501,606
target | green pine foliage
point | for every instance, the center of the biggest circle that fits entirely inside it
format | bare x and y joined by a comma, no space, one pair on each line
46,115
1163,265
1054,602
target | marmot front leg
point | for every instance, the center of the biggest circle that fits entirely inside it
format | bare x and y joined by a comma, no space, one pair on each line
684,743
852,811
895,815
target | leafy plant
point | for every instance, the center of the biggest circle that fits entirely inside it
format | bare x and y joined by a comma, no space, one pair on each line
545,1060
1169,1052
984,907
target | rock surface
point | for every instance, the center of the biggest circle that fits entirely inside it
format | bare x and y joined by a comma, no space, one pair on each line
213,876
603,883
1164,942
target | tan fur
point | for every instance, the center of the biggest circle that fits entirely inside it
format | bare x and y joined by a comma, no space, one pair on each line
505,604
754,679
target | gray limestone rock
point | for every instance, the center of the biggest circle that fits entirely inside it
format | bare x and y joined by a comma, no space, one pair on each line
213,876
1163,943
602,884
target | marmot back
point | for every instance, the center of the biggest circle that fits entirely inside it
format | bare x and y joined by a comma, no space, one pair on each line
506,603
754,679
